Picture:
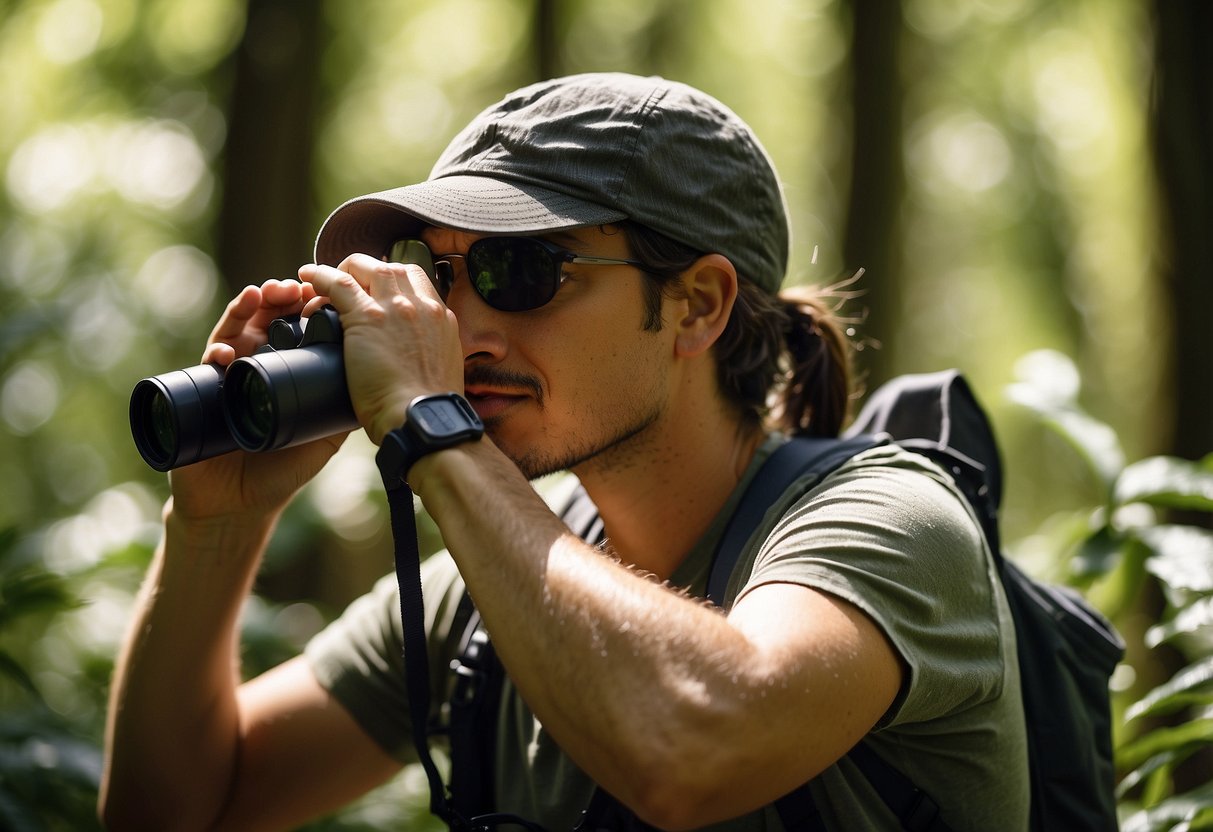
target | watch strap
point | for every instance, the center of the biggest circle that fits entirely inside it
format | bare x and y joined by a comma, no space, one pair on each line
402,447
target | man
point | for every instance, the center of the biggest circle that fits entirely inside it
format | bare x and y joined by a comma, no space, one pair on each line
607,250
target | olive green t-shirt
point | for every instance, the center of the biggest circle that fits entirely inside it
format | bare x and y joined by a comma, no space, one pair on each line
889,533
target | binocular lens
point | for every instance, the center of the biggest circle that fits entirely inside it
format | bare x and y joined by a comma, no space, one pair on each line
280,398
255,416
177,418
163,436
289,392
155,433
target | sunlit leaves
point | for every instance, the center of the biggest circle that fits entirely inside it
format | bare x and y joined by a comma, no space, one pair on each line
1183,556
1168,482
1193,685
1048,384
1126,536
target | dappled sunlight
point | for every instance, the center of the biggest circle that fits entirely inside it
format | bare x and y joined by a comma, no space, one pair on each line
1025,239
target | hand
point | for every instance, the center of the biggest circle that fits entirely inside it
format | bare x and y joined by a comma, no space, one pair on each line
400,340
239,483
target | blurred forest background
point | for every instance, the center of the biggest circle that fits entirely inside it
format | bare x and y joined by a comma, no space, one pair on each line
1028,186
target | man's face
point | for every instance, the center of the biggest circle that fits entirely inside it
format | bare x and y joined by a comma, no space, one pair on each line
577,382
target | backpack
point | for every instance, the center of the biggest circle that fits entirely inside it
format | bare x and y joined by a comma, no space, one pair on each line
1067,650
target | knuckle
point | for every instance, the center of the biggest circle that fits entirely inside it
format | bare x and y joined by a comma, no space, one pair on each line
346,281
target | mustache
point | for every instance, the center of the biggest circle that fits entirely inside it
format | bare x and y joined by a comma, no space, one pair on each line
484,376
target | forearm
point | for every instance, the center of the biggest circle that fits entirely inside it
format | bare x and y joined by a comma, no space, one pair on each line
172,734
641,686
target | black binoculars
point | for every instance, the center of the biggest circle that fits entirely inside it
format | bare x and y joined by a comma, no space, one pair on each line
289,392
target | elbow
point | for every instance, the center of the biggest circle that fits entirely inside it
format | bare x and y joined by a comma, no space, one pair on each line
675,791
672,804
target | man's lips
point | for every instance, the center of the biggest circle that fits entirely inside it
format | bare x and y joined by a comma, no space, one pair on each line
489,403
492,391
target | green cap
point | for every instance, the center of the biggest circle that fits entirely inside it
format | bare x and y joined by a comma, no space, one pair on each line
591,150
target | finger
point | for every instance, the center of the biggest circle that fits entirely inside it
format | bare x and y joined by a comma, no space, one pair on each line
282,294
238,313
314,305
340,287
381,279
221,354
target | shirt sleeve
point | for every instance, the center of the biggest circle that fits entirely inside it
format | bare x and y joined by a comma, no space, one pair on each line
890,534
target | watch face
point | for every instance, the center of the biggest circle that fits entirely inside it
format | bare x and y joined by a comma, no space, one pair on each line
437,417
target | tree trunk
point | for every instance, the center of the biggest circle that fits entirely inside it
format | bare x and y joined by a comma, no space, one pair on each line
1183,152
1182,134
547,41
266,225
877,177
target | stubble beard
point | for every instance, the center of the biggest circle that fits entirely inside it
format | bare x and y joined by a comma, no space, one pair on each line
623,446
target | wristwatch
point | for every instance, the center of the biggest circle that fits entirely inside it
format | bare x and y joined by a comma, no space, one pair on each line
431,423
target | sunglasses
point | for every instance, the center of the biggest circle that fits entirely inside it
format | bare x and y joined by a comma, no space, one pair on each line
512,274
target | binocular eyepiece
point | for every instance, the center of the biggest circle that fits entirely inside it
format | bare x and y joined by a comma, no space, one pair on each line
289,392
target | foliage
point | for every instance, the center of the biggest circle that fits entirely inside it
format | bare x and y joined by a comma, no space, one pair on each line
48,769
1143,531
1023,225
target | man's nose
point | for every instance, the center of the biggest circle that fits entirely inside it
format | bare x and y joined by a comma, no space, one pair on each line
481,327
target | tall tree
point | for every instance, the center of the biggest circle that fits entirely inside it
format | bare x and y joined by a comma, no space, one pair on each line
1182,137
1182,122
266,222
877,177
547,40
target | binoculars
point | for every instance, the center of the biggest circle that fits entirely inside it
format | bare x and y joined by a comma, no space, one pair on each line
289,392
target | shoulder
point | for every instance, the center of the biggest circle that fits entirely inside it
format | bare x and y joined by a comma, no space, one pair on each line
890,533
886,504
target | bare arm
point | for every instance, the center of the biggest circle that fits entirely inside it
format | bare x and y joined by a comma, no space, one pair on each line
185,744
675,709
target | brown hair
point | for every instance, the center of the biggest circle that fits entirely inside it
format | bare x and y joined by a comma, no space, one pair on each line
784,361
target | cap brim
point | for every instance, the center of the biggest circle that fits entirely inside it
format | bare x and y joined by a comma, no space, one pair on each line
477,204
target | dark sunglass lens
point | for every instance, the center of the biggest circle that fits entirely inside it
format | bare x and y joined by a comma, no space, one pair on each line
443,277
512,274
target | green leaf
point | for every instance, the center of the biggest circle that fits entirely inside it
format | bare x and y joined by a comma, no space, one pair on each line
12,669
1184,688
1048,385
1195,617
1167,482
1158,763
1178,738
1098,555
1172,812
1183,556
32,590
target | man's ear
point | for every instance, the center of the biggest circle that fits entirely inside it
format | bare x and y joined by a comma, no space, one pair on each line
709,291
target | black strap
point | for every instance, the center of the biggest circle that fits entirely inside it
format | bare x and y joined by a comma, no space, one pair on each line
412,619
417,665
912,806
786,464
473,717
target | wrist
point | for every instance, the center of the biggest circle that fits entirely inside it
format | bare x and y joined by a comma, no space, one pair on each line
431,424
201,531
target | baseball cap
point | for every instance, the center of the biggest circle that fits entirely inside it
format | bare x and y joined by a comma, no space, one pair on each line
585,150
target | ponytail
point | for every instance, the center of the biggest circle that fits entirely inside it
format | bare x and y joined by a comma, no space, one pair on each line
815,390
784,362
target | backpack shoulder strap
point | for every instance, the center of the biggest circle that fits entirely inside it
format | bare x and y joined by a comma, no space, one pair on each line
789,462
472,716
792,461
